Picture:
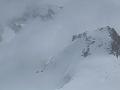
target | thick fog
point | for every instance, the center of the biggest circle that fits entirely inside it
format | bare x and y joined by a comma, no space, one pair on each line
25,49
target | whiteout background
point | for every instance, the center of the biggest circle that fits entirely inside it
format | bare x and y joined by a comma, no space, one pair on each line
23,53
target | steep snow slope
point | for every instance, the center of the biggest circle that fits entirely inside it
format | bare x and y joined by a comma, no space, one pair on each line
30,60
96,73
91,53
96,51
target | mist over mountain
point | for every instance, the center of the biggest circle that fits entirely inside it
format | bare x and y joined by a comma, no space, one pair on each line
59,45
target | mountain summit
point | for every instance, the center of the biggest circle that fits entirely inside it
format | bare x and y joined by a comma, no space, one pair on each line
101,42
92,56
105,37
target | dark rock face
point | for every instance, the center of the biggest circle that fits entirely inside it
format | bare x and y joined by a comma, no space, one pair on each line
89,41
115,44
112,48
86,52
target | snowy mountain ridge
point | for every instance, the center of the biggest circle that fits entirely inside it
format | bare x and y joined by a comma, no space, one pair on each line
41,50
99,68
106,37
101,43
98,48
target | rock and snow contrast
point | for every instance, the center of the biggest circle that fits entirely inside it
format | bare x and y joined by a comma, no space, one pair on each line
59,45
97,61
99,50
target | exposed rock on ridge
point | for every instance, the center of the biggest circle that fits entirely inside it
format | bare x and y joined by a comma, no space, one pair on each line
112,40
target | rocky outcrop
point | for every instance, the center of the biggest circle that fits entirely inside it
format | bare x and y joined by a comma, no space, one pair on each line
105,37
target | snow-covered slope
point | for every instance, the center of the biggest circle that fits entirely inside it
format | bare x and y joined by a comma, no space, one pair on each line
95,56
96,73
91,59
38,52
